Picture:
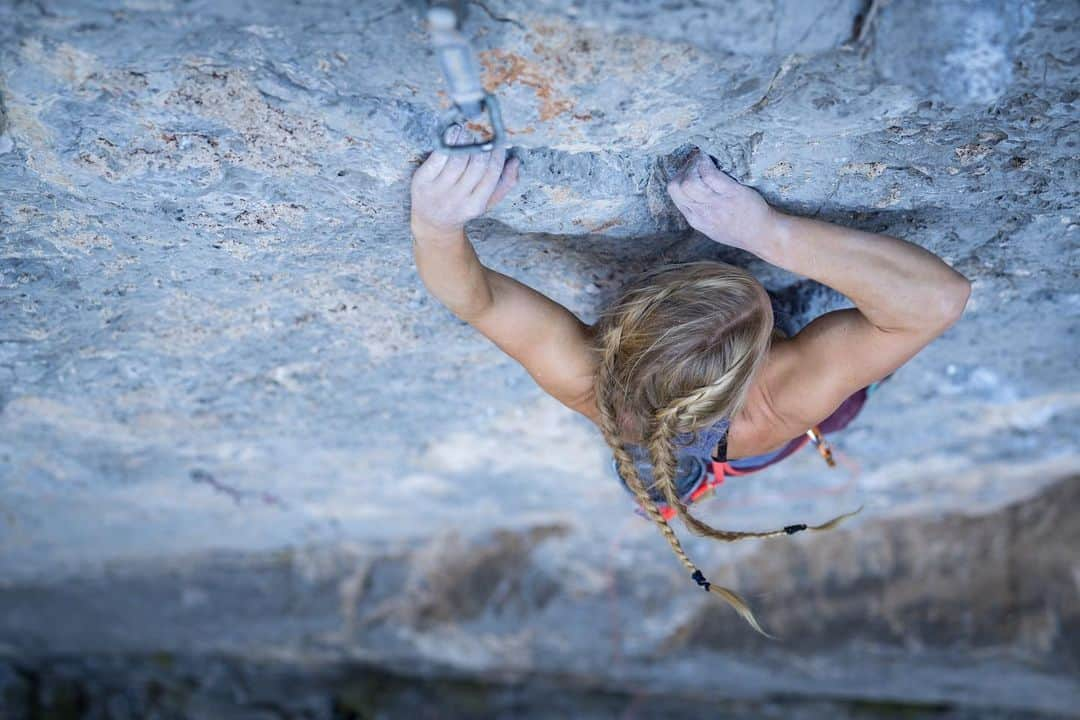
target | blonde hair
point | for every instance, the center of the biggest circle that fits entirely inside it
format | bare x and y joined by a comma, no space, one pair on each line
679,351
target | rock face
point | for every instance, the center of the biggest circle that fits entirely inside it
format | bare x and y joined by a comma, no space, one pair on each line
233,424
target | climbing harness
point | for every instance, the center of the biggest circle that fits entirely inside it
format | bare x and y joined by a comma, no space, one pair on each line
445,18
702,481
713,476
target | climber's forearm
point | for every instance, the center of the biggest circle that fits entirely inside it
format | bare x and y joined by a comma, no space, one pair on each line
897,285
451,271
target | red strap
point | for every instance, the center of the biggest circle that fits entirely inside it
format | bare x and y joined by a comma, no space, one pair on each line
720,470
710,483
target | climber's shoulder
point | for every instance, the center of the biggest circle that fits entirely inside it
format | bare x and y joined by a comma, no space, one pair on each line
784,400
761,425
834,356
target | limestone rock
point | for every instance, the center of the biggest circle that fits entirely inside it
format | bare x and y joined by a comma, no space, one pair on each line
233,422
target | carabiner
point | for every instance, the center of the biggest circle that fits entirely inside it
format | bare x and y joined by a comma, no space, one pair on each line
457,116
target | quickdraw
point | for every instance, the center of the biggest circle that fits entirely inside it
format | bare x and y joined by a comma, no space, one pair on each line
459,67
822,445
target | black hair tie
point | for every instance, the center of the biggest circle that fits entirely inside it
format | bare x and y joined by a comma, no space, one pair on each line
700,580
792,529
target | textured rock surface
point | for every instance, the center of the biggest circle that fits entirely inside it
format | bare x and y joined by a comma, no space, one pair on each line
233,422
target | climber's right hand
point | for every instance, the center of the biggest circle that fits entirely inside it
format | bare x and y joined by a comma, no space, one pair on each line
449,190
721,208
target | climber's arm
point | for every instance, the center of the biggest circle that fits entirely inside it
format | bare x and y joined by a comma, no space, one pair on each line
550,342
546,338
905,297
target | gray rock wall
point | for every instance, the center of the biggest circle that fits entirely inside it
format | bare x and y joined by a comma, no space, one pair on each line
233,422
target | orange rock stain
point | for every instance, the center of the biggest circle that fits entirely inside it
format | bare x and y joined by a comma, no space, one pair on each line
502,67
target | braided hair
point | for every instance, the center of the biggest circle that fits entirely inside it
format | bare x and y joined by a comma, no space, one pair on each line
678,352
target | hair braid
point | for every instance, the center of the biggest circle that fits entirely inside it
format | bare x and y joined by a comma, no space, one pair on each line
662,454
628,470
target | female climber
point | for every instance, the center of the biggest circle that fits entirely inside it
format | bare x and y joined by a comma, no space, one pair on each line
685,369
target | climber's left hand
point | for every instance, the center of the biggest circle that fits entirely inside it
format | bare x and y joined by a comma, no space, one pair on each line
450,190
